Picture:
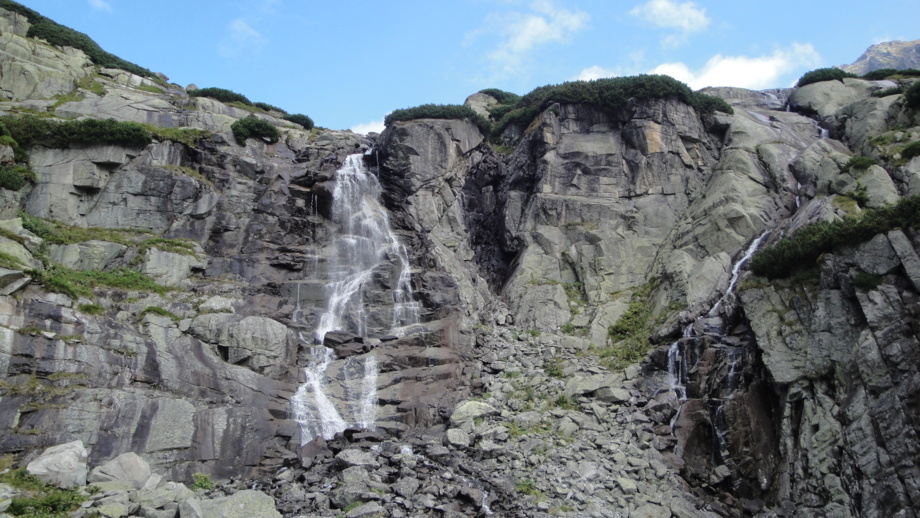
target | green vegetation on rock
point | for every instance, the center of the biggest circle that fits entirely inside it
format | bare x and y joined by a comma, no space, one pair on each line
39,500
823,74
221,94
911,150
15,177
301,119
609,94
251,127
802,249
29,131
501,96
268,107
439,111
859,163
81,283
60,35
912,96
629,335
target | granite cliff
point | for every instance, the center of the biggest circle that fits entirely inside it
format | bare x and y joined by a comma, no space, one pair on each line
587,341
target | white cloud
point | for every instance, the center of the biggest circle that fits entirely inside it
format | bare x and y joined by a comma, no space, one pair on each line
595,72
671,15
667,14
367,127
241,40
100,5
521,33
743,71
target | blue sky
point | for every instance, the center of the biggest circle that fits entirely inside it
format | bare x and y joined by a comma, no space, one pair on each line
347,63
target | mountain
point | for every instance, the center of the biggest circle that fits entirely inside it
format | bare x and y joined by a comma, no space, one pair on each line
890,54
547,305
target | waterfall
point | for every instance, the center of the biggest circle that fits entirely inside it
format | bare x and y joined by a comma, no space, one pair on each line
364,243
363,246
711,325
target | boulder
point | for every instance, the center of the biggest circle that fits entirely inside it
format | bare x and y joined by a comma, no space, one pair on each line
90,255
128,467
63,465
470,410
244,504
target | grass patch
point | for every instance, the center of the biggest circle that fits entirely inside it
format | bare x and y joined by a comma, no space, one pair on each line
187,136
10,262
40,500
191,173
91,309
150,88
527,487
628,337
803,248
82,283
56,232
155,310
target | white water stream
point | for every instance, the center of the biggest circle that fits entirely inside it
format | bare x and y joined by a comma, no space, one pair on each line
677,358
363,246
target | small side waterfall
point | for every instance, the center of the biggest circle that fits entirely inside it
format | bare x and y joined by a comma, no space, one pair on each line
707,331
365,249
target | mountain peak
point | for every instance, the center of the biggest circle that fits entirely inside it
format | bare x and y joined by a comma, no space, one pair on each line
889,54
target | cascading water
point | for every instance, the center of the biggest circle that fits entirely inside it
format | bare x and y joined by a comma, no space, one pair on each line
711,325
363,245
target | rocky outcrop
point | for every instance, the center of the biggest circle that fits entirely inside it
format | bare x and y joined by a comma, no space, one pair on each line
889,54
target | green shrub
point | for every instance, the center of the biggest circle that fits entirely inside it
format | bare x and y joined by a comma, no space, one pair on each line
438,111
609,94
803,248
501,96
859,163
220,94
29,131
301,119
884,73
15,177
201,481
881,73
57,34
823,74
911,150
912,96
866,281
888,91
269,108
39,500
252,127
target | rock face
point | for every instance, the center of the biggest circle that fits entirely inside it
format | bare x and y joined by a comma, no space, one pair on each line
770,398
889,54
